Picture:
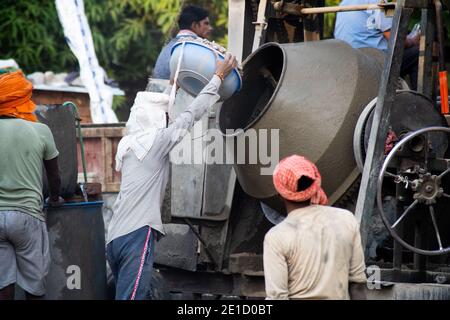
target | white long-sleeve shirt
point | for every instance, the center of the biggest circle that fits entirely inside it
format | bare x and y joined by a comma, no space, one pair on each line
144,182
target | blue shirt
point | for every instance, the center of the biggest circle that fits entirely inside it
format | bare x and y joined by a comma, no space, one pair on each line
162,69
162,65
362,29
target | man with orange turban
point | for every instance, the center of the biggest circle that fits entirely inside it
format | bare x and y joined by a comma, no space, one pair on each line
26,147
15,97
316,251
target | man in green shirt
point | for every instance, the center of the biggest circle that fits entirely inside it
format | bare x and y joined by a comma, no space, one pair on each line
26,147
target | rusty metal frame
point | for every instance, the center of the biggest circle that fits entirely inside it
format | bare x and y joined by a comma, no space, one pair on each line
380,124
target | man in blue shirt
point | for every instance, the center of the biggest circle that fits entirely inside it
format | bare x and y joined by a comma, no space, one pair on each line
193,21
371,29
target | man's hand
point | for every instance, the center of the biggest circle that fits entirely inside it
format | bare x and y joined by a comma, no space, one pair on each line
54,182
413,39
224,68
55,202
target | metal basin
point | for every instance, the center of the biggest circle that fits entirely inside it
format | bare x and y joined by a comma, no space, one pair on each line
77,248
197,68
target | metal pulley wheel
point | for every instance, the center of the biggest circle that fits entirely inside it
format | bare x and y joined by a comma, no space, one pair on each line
412,111
359,149
420,180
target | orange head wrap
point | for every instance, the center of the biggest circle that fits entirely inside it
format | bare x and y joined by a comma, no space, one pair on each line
15,96
286,177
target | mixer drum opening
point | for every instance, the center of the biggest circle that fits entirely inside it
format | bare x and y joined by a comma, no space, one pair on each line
298,98
262,72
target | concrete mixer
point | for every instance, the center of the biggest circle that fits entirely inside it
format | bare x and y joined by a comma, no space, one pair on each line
323,97
313,93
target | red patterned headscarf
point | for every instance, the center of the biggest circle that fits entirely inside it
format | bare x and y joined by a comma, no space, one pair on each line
287,174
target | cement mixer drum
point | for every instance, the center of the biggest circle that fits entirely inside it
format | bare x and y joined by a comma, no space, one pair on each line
313,92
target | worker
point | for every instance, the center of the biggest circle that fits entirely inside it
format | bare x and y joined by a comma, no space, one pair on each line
316,251
371,29
193,22
143,158
26,148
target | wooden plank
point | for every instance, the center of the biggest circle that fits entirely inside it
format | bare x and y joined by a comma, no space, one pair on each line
93,157
236,23
111,187
108,158
116,177
100,144
103,132
260,25
425,73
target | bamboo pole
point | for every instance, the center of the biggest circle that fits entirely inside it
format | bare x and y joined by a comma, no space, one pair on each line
295,9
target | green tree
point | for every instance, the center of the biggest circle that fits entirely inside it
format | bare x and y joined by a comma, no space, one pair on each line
329,19
31,34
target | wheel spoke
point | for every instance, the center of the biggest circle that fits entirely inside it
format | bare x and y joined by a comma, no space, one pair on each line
444,173
433,218
405,213
391,175
427,144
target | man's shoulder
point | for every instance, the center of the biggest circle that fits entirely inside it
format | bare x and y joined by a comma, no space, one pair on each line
38,125
25,124
338,214
168,46
280,230
41,128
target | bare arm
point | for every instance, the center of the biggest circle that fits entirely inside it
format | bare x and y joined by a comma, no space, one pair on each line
410,41
54,181
357,291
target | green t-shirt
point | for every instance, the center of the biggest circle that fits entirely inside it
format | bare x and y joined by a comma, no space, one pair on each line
23,147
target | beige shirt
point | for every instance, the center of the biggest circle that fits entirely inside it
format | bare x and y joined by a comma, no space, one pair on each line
313,254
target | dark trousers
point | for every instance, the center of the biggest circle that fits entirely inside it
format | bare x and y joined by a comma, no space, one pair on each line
410,65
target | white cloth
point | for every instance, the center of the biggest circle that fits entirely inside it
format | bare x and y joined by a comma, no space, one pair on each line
147,116
8,63
79,38
144,182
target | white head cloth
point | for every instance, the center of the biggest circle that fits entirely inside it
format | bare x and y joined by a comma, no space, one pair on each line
147,116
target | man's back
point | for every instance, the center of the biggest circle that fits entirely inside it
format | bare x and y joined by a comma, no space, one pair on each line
362,29
318,249
24,146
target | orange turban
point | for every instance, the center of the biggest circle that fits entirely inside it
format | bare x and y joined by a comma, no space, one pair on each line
287,174
15,96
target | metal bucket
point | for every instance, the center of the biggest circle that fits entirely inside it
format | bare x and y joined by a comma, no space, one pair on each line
77,248
61,121
313,93
198,65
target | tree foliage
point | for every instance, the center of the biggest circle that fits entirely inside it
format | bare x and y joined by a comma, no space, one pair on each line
31,34
128,35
